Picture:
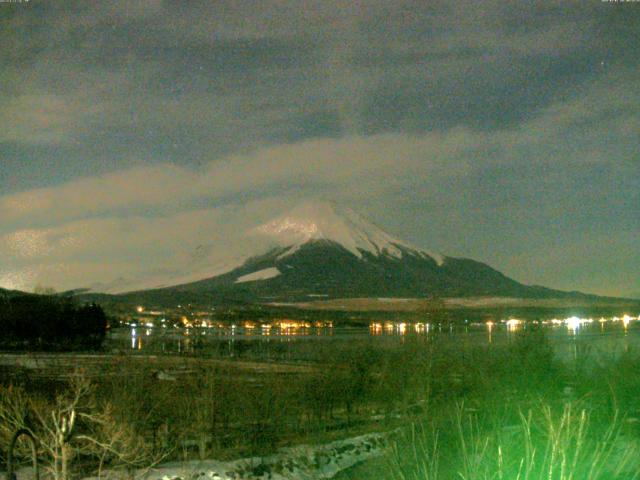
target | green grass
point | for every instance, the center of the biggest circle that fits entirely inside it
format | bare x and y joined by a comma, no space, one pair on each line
520,414
549,442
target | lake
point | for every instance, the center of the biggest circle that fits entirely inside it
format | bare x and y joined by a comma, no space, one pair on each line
288,340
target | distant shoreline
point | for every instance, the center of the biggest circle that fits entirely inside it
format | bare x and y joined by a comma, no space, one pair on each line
455,303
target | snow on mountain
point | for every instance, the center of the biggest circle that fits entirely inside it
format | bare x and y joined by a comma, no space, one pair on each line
263,274
318,249
308,222
324,221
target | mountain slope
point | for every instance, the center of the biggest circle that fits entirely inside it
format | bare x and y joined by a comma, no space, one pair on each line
325,269
319,251
4,293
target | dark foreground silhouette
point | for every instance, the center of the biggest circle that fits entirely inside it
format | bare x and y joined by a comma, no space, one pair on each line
50,323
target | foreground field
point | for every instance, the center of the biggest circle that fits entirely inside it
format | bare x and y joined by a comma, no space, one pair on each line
498,411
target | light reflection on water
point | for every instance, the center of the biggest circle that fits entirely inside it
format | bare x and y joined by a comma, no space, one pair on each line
605,335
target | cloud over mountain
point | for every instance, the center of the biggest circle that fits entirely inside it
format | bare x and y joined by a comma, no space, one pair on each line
133,133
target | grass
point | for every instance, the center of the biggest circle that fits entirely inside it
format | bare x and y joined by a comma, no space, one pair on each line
549,442
509,411
520,414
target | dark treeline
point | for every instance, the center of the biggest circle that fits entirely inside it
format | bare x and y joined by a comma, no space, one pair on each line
43,322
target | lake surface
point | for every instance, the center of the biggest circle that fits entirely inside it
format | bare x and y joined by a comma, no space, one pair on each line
297,341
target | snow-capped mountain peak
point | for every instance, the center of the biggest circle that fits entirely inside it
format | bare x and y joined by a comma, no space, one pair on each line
325,221
321,250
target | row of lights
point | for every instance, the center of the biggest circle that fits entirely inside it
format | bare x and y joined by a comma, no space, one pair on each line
512,324
377,328
572,323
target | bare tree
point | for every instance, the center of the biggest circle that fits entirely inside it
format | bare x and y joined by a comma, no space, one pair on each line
76,426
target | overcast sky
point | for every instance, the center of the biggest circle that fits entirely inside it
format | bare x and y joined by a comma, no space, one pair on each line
140,139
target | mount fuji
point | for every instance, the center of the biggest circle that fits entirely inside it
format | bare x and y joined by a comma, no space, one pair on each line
320,251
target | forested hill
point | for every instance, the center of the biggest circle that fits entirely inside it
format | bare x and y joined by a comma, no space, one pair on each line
46,322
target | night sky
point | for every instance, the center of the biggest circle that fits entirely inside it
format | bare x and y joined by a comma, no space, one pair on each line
142,139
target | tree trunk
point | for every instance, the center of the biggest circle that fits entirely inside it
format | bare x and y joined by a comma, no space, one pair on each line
64,461
202,445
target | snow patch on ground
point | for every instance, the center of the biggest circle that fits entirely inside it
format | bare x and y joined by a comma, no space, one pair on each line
259,275
303,462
